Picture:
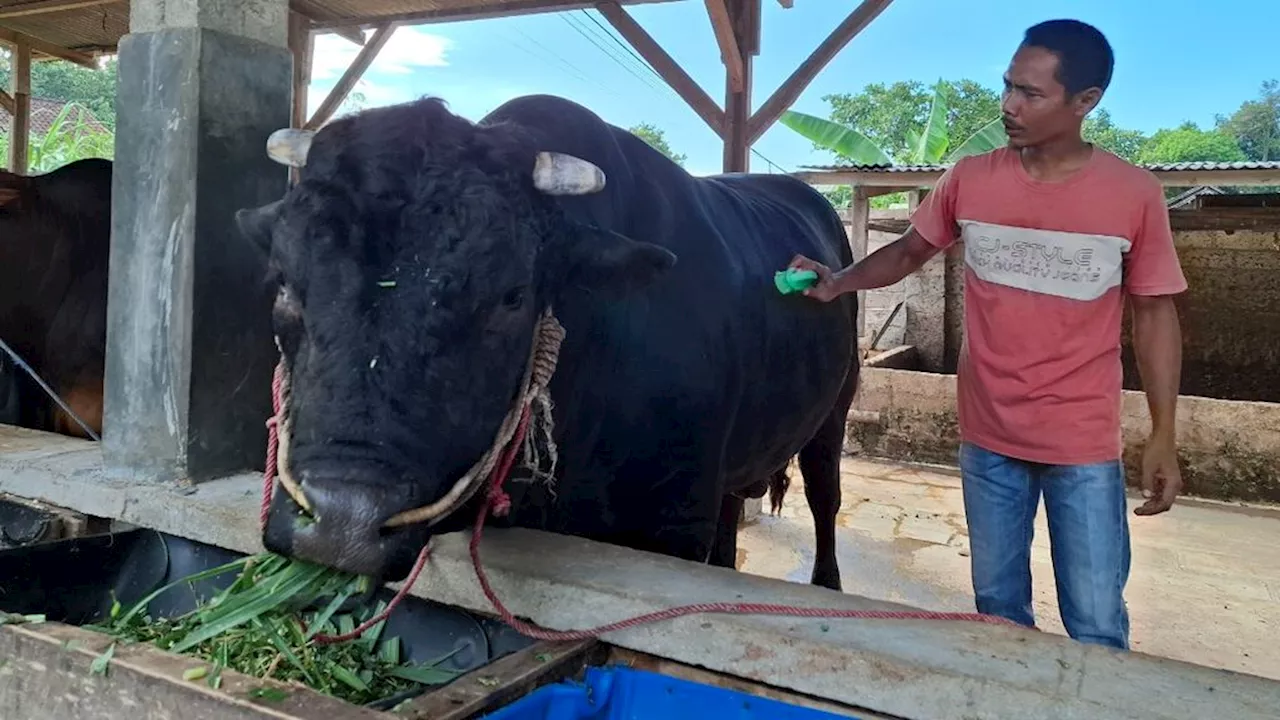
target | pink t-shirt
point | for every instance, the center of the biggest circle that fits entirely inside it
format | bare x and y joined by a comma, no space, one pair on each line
1039,374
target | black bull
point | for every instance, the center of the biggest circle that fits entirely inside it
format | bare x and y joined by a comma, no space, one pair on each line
413,259
54,238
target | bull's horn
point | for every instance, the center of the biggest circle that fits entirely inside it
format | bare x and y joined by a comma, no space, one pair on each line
559,174
289,146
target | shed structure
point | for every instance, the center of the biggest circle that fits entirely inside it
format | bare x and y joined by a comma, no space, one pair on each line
202,85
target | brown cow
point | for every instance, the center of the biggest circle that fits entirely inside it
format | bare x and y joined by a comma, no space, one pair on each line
55,232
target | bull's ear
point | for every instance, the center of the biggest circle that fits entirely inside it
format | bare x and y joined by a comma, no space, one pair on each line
606,263
255,224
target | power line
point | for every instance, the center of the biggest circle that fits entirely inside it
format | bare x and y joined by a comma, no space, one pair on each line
625,46
671,94
625,66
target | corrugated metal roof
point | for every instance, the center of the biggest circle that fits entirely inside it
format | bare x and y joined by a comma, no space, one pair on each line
1154,167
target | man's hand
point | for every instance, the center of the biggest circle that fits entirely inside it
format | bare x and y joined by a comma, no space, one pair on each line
827,288
1161,479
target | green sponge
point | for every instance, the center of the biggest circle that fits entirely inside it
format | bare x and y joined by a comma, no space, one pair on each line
794,280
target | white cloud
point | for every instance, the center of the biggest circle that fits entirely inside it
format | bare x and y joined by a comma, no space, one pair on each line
408,48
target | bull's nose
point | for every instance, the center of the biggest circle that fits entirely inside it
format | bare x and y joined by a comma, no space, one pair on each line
345,529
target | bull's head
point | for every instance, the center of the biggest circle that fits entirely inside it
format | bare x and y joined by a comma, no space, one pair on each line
413,260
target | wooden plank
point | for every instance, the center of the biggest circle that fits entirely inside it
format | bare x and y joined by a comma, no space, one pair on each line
13,37
47,674
1242,200
6,101
1226,219
667,68
730,53
504,680
314,12
41,7
791,89
362,61
20,126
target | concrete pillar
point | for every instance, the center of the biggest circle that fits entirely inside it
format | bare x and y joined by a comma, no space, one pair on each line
189,347
925,305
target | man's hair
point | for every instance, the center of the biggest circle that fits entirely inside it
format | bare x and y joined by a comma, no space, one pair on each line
1085,59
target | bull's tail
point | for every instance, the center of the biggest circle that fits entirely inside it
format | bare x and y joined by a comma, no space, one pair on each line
779,482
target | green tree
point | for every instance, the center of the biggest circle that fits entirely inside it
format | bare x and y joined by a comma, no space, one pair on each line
1188,143
1256,124
892,115
1101,131
67,82
658,140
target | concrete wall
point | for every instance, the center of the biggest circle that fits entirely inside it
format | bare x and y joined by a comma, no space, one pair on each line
1228,450
1230,316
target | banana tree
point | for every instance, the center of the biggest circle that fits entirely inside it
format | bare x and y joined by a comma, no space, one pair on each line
928,147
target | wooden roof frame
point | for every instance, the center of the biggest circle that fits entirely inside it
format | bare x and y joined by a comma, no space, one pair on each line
735,25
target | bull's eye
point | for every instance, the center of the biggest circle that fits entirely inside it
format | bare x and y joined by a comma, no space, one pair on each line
513,298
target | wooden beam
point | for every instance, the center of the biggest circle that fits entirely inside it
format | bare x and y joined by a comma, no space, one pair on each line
41,7
458,12
667,68
313,12
730,53
20,125
302,45
6,101
907,179
14,37
785,3
362,61
745,18
859,243
504,680
789,91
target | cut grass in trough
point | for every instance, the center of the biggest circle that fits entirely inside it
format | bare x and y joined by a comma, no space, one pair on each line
260,626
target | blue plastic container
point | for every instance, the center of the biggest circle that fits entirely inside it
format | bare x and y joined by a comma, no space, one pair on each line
620,693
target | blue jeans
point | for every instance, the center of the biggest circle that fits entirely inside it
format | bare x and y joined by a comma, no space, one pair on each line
1088,539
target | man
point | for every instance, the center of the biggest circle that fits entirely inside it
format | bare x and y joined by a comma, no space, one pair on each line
1056,232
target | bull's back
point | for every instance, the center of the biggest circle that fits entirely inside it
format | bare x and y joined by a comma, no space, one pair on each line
709,364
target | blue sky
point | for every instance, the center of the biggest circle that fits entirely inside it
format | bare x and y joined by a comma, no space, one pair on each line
1186,60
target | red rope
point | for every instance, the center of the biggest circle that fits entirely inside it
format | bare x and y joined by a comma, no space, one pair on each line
499,503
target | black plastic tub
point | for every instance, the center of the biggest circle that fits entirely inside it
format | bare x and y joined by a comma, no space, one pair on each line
74,581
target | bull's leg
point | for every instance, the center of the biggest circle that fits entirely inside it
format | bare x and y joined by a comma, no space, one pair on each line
724,552
820,466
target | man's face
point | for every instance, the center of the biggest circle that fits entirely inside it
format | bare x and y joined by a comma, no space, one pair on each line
1036,107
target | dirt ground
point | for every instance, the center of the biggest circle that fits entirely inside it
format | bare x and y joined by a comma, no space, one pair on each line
1204,585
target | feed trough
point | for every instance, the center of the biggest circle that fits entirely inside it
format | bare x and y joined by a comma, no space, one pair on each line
52,666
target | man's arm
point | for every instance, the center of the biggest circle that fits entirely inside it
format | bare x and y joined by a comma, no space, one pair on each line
933,229
1152,277
1157,343
881,268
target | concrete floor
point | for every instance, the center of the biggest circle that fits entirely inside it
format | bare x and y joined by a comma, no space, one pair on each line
1204,585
